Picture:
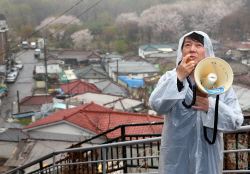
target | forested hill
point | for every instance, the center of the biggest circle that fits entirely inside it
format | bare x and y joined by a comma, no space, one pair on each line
32,12
131,21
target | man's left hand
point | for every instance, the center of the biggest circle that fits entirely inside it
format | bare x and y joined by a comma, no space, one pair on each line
202,103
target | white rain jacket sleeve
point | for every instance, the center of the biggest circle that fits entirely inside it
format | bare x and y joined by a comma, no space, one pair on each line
166,94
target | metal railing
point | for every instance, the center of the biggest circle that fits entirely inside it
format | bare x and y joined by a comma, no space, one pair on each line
150,142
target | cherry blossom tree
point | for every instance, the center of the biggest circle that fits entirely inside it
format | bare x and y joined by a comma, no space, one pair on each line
207,15
61,20
81,38
127,26
164,22
58,35
170,21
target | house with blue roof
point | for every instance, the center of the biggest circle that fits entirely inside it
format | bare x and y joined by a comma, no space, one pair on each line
131,84
155,48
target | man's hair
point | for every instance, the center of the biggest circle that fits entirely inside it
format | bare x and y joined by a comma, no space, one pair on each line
195,37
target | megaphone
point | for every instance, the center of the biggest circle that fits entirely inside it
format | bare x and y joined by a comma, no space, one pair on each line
213,76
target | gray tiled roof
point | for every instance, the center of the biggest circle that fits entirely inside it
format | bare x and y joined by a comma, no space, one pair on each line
84,70
12,135
133,67
108,87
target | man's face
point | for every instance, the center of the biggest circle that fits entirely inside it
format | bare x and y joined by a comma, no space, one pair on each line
195,49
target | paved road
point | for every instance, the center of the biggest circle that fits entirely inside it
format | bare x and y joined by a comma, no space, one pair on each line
23,84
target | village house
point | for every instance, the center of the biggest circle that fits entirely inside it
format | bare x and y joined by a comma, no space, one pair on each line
34,103
78,58
67,76
78,87
136,70
90,74
131,84
85,121
115,102
134,58
53,66
113,57
155,48
110,87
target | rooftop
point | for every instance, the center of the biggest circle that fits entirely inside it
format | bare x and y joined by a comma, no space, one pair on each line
109,87
155,47
78,87
133,67
99,119
37,100
133,83
115,102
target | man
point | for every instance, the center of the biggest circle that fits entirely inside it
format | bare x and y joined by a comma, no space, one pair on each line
184,149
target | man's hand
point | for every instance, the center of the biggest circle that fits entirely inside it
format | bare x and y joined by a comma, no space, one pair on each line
184,69
202,103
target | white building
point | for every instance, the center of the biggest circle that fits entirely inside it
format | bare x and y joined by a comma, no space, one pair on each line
53,66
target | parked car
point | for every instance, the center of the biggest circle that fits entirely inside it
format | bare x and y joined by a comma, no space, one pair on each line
33,45
25,45
11,77
15,71
19,64
37,52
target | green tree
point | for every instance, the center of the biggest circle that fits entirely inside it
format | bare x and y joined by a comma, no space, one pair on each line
109,34
26,31
120,46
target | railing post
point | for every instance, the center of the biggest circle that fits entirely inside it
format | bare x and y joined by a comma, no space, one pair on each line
124,155
104,153
237,144
248,142
54,164
41,166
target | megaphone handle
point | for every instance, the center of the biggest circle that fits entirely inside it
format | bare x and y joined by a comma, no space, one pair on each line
215,123
193,101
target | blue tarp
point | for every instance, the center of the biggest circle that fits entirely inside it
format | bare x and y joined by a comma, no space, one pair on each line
61,91
133,83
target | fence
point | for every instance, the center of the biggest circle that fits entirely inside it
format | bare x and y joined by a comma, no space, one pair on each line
136,155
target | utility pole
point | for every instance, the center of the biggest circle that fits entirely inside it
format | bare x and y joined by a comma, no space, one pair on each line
45,62
18,101
117,71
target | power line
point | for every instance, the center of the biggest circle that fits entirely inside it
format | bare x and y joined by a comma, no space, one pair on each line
53,21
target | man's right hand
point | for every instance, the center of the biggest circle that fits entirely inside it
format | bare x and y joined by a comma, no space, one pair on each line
184,69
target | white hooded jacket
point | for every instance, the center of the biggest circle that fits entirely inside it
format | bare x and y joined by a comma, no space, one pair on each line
184,149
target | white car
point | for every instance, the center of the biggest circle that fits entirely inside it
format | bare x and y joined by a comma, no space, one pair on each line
11,77
19,64
15,71
33,45
37,52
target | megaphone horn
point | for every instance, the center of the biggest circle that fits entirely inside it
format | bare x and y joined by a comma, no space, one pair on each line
213,76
